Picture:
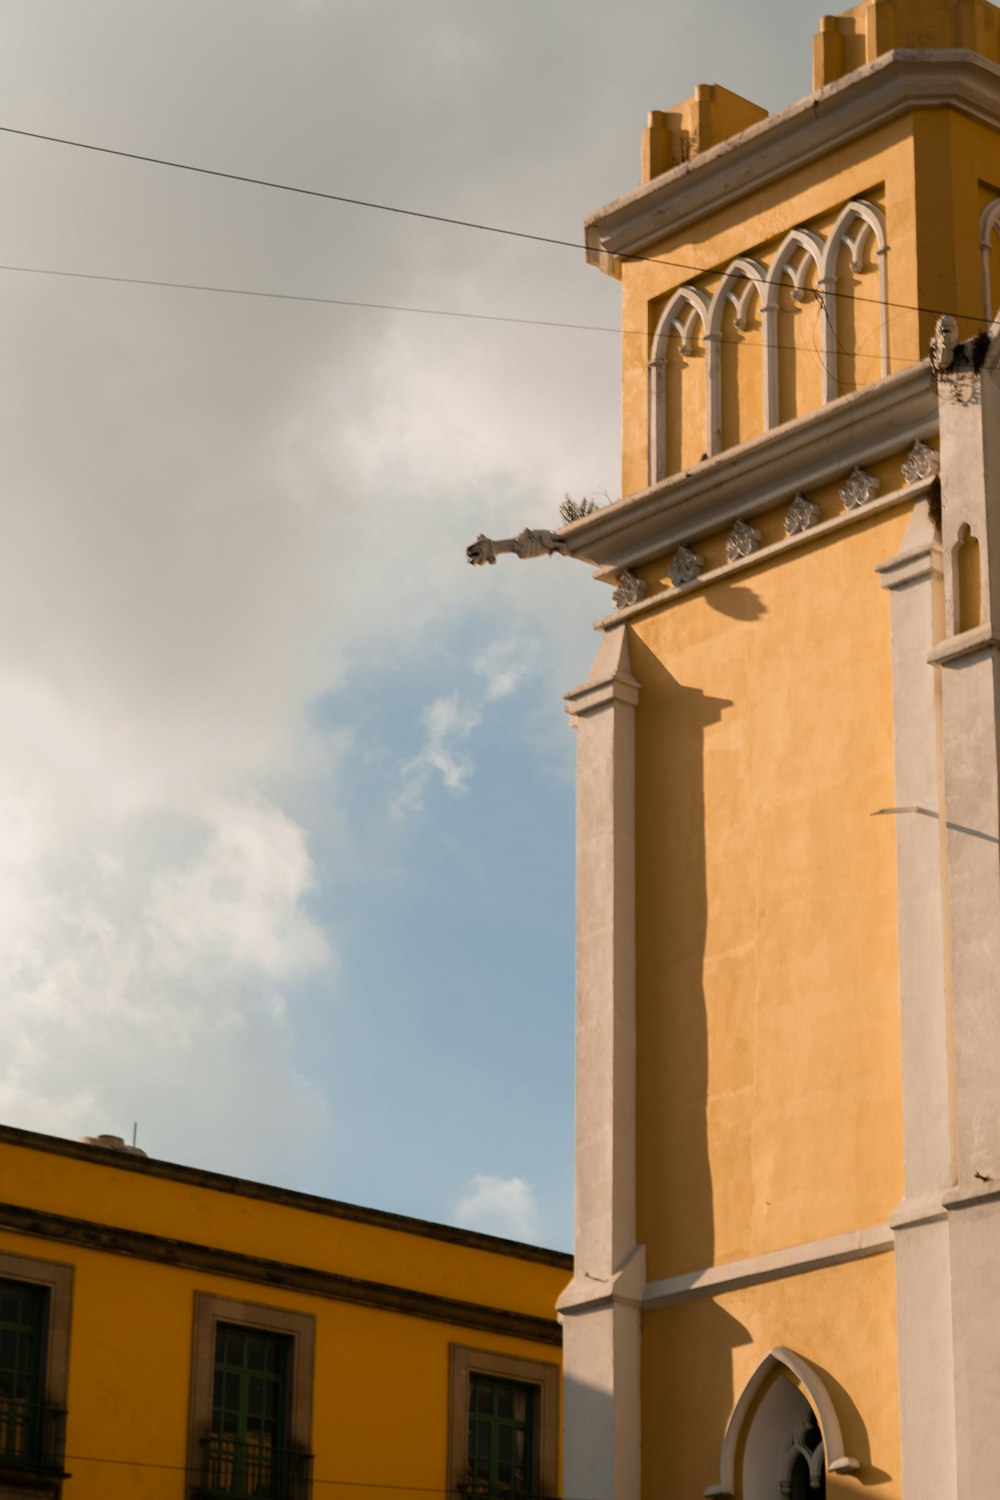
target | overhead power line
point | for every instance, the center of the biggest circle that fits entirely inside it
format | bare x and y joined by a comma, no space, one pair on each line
414,213
428,312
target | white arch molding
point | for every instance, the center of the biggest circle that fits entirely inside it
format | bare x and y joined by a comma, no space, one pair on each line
743,278
989,220
687,304
798,250
837,1461
858,223
866,222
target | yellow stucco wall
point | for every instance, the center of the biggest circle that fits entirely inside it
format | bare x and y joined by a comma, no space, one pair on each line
769,1106
381,1390
768,1101
697,1358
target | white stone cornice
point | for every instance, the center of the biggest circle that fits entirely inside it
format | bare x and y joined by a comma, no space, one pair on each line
904,496
775,1265
898,81
870,424
586,1293
591,697
971,1194
913,565
914,1213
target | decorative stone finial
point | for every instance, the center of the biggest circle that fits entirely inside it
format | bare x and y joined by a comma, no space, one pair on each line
742,541
685,567
629,591
858,489
800,515
920,463
526,544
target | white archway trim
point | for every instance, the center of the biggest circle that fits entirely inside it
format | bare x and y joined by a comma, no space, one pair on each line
798,250
989,220
837,1461
688,304
743,277
866,222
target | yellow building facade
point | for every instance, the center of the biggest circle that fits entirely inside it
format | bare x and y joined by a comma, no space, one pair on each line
173,1334
787,1267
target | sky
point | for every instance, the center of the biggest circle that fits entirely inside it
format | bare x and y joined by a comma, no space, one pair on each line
286,788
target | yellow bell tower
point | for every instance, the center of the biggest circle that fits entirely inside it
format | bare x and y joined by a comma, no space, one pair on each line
787,1262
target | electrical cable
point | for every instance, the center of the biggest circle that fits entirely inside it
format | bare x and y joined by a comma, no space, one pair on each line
430,312
360,1484
413,213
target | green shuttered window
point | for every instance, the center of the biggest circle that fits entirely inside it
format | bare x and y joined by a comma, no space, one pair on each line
501,1437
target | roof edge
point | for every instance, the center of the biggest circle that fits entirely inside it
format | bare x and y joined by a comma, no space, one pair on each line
221,1182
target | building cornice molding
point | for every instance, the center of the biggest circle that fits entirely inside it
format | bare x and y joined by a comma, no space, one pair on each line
819,532
774,1265
587,1293
272,1273
808,454
898,81
103,1159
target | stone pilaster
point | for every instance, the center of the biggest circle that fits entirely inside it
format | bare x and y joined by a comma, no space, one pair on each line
969,659
923,1281
601,1308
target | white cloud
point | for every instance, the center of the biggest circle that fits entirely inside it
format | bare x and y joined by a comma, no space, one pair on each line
450,720
499,1205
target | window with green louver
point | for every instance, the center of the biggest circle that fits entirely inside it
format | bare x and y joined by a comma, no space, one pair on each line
501,1437
23,1314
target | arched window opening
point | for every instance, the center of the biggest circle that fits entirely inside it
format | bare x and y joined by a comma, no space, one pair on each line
678,385
738,380
853,279
989,241
967,581
858,313
783,1453
800,343
771,1426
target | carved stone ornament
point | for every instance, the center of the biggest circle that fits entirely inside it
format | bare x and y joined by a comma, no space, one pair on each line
742,540
858,489
685,567
943,342
629,591
526,544
800,515
920,463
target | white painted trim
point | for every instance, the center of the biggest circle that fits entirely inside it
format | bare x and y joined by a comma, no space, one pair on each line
774,1265
847,518
837,1461
868,425
856,105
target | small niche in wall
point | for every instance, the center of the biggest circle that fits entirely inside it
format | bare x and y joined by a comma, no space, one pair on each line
967,581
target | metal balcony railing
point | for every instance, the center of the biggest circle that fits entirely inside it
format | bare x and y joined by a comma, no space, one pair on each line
252,1470
32,1435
